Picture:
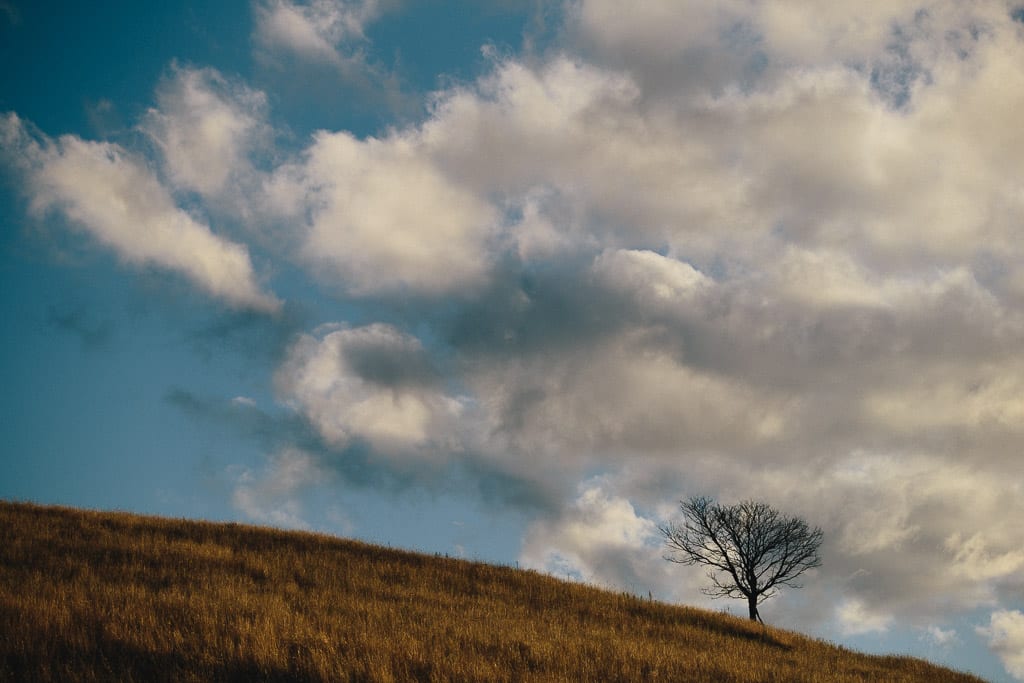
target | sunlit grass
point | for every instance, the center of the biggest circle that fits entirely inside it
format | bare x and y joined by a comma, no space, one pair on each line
89,596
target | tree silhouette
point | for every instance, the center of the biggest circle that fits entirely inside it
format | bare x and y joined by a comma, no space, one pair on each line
751,548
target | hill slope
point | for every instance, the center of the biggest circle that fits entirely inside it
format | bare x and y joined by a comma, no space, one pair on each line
88,596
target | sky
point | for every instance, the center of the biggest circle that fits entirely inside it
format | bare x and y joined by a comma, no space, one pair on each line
507,280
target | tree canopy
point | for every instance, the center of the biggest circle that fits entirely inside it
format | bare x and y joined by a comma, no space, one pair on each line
751,548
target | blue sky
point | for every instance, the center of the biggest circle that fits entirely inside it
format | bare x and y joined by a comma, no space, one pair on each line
507,280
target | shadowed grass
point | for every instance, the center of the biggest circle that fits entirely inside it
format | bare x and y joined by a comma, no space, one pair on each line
91,596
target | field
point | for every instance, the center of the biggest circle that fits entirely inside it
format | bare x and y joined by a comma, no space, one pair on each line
94,596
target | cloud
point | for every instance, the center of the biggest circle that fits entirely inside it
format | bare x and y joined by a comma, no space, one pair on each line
856,619
206,127
650,277
736,42
820,156
1005,633
655,35
91,332
112,195
355,463
274,496
275,431
940,637
372,384
914,537
309,42
598,538
317,30
813,145
571,145
357,233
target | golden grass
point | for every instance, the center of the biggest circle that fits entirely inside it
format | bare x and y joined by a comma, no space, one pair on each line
91,596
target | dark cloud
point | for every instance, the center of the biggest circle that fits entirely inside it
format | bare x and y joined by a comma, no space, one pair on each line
357,464
390,364
250,334
535,309
495,486
93,333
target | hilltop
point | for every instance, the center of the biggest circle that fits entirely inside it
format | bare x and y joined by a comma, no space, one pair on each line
90,596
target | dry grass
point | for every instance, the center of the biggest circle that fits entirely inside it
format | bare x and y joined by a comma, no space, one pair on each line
88,596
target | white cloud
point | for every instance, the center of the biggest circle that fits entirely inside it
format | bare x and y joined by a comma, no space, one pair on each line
987,399
206,127
829,277
1005,634
813,156
372,383
654,279
113,196
320,30
940,637
833,30
907,535
655,25
654,37
384,218
612,397
812,144
599,538
895,547
611,172
856,619
274,495
654,33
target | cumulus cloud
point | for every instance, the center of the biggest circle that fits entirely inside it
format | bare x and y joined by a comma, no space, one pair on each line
598,538
382,218
816,149
112,195
652,38
318,30
650,277
620,396
610,171
1005,634
374,384
738,42
206,127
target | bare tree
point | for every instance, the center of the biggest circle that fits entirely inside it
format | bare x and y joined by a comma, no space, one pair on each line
751,548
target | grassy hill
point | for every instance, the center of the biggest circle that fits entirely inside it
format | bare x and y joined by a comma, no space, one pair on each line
90,596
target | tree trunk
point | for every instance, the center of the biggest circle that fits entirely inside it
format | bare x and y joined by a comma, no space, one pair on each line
752,606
